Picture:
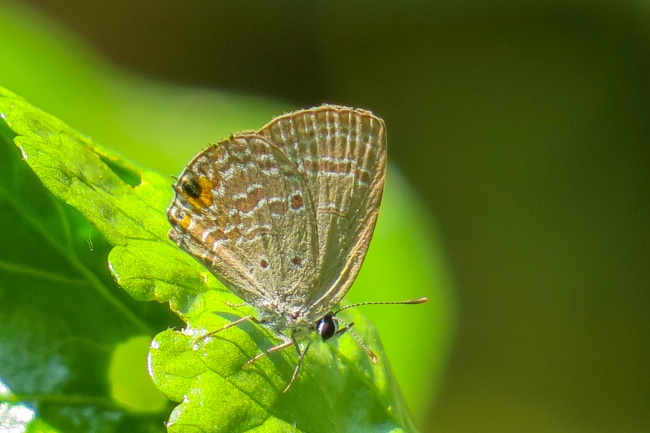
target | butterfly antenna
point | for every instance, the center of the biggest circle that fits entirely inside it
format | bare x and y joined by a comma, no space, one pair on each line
359,304
365,348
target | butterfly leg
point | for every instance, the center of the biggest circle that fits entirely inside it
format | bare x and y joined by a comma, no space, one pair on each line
286,342
343,330
229,325
296,370
238,305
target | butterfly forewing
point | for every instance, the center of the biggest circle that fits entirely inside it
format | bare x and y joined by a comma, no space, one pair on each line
341,154
243,210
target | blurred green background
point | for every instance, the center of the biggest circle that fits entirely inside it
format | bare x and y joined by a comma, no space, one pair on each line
524,126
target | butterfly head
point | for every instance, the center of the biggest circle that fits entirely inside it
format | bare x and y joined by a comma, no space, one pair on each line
327,327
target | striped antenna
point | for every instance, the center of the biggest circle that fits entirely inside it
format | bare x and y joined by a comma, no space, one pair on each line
409,302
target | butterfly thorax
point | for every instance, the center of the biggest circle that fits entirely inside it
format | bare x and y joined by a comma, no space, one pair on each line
291,321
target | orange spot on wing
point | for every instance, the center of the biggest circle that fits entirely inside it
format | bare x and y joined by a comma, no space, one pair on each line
185,222
205,196
296,201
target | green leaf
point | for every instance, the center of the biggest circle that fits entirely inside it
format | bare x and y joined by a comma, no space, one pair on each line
62,317
339,388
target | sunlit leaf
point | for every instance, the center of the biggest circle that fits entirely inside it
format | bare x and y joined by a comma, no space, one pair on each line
339,389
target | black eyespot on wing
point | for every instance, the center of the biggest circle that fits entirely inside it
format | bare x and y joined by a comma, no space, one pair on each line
191,188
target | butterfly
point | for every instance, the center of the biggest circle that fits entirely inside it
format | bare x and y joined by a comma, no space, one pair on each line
283,217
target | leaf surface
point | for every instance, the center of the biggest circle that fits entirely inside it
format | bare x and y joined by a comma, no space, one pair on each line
339,389
62,317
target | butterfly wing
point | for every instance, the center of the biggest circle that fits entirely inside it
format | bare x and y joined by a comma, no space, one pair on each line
243,210
341,154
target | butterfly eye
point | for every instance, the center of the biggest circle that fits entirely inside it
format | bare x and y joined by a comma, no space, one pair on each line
327,327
